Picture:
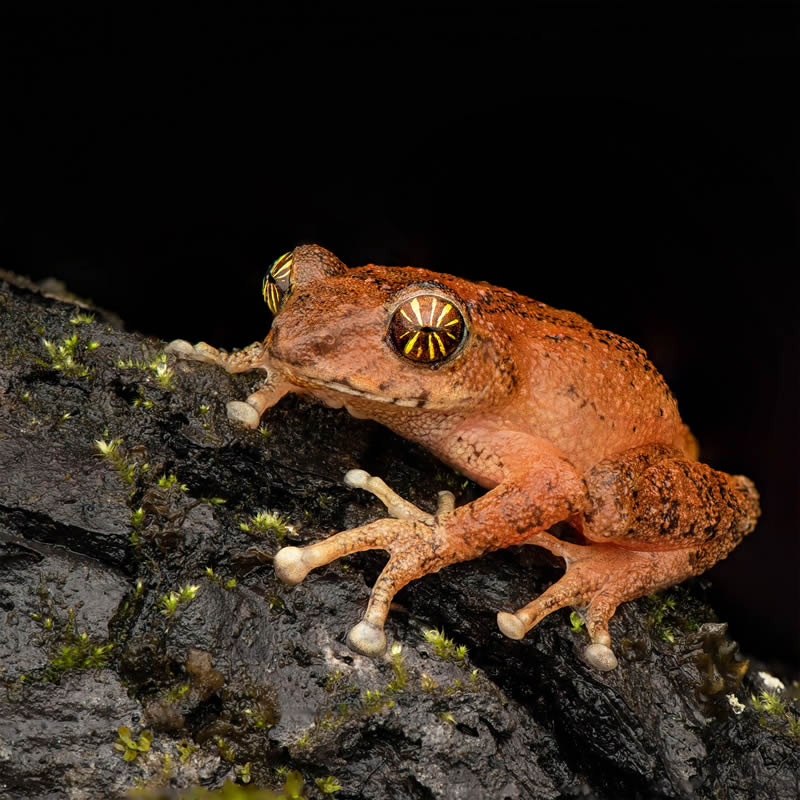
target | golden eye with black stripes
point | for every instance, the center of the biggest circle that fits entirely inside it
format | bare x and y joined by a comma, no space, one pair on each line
427,329
278,281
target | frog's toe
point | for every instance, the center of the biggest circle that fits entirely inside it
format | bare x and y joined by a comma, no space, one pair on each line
600,656
243,413
510,625
290,566
180,348
398,507
367,639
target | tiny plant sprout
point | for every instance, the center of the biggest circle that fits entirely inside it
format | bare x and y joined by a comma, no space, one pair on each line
328,785
445,647
130,747
170,602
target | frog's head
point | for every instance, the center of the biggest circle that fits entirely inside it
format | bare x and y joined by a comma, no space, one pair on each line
372,338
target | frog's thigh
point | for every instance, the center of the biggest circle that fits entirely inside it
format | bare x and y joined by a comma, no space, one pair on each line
652,498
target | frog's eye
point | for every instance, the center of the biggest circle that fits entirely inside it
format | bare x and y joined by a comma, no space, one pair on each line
426,329
278,281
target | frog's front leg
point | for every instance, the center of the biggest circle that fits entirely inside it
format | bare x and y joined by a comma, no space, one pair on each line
420,543
246,413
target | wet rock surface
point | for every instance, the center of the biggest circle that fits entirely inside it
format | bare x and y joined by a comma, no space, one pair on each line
137,594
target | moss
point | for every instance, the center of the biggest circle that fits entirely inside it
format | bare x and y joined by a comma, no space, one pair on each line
267,522
427,683
65,357
158,366
399,670
71,649
130,747
328,785
185,750
171,481
445,647
225,750
169,602
576,622
115,454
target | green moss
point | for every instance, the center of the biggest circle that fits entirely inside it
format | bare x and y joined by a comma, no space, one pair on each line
64,357
225,750
399,669
427,683
158,366
71,649
82,319
167,482
130,747
445,647
113,452
185,750
773,714
177,693
374,700
84,654
576,622
328,785
169,602
267,522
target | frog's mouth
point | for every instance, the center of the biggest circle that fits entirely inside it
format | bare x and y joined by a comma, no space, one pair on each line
345,388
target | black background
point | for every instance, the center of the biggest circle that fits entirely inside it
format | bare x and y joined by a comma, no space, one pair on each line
641,171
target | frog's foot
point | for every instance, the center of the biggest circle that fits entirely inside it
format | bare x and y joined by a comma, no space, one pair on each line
246,413
242,360
598,578
409,538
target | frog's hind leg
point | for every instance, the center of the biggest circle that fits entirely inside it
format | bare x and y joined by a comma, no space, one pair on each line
582,586
655,519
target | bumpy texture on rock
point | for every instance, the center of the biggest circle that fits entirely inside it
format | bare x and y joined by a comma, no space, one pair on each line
100,549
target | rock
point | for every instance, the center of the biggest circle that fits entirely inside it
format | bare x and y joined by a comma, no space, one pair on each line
137,528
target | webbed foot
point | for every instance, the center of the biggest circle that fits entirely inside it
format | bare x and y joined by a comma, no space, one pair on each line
409,538
251,357
598,578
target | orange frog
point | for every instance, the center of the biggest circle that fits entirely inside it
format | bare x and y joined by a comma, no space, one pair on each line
560,421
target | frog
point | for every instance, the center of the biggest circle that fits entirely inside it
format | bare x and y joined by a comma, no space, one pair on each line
559,421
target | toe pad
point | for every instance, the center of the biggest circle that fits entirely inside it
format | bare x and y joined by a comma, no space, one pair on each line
600,657
510,625
243,413
289,565
367,639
